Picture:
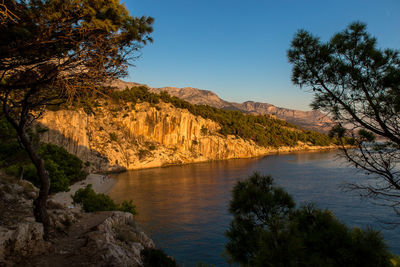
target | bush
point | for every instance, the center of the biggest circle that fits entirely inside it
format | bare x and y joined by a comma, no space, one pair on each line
64,168
113,137
92,201
152,257
144,153
70,164
267,230
204,130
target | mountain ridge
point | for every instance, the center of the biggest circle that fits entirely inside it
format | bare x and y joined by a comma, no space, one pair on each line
312,120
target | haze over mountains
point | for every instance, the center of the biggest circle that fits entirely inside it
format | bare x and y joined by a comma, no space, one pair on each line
312,120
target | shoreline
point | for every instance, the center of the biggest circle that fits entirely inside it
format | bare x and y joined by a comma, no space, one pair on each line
282,150
104,182
100,183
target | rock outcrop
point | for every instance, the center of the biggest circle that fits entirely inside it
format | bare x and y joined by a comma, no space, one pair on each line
117,137
20,235
110,238
313,120
117,242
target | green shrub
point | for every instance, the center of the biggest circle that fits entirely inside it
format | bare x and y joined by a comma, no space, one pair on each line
63,167
59,180
144,153
128,206
113,137
203,130
152,257
268,230
13,170
92,201
150,145
70,164
58,177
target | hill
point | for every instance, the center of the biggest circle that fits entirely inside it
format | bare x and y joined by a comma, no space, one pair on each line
311,120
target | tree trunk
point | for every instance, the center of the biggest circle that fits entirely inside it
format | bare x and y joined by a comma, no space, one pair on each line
39,210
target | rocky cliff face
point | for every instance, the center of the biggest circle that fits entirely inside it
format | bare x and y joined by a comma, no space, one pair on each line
313,120
119,137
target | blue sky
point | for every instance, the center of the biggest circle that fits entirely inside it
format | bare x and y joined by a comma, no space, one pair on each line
238,48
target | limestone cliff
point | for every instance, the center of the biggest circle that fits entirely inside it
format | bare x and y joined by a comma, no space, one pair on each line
118,137
313,120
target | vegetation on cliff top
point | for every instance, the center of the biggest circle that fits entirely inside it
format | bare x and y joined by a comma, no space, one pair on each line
263,130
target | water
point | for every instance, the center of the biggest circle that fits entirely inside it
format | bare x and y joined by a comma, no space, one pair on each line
184,208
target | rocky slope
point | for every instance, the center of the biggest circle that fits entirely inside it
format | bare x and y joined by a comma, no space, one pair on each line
20,235
78,238
313,120
117,137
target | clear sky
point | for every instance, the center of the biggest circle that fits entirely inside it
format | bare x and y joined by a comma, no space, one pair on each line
238,48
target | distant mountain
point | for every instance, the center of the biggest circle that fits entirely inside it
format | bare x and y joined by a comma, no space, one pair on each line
313,120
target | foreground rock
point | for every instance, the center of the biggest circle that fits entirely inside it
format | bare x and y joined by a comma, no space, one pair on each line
20,235
96,239
78,239
117,241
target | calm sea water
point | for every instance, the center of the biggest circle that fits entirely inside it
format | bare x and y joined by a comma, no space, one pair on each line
184,208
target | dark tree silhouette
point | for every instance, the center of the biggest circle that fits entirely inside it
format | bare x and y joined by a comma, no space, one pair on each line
54,51
359,86
267,230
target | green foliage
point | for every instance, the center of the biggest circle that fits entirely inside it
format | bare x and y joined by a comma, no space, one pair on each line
267,230
10,150
92,201
128,206
395,260
150,145
204,130
357,83
113,137
144,153
69,164
366,135
156,257
264,130
61,50
136,94
64,168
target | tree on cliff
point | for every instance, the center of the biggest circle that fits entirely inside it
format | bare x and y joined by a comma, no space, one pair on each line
359,86
267,230
56,50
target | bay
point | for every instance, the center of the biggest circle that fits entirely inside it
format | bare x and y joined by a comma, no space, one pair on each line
184,208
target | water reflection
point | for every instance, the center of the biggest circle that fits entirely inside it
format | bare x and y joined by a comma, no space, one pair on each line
184,208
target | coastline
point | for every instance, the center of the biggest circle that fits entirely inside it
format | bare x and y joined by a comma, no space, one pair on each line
100,183
268,151
103,183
